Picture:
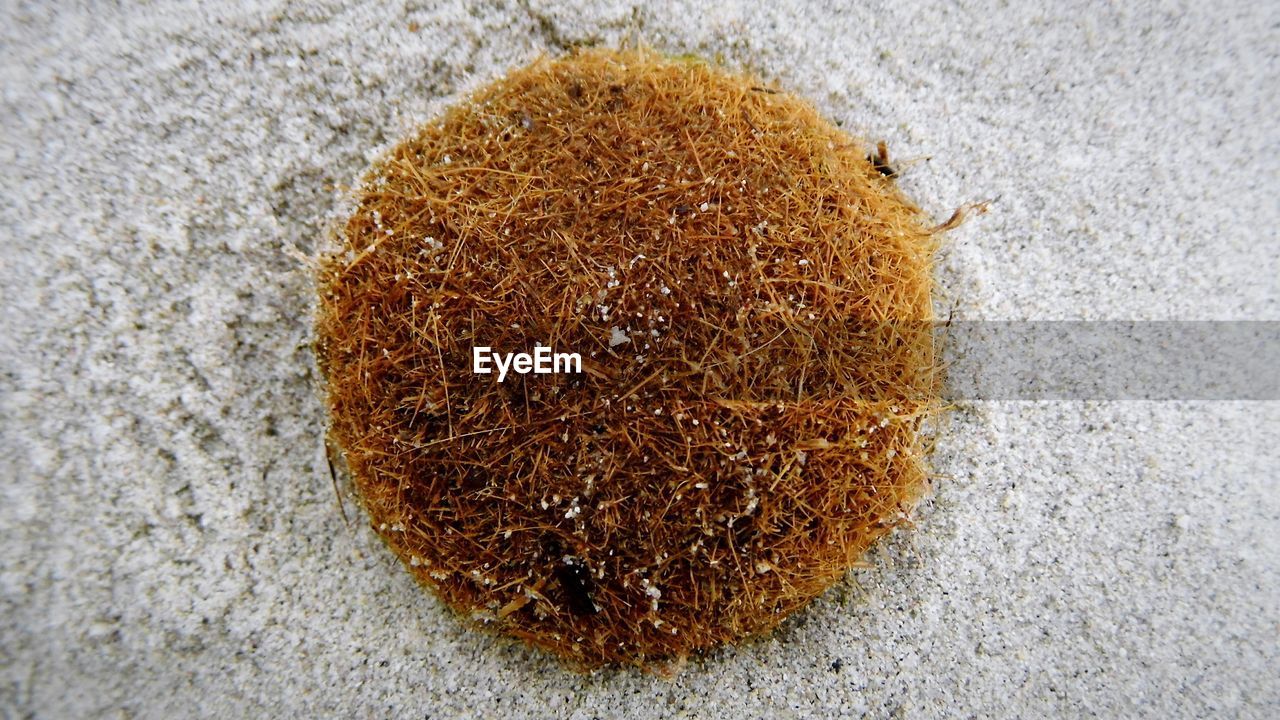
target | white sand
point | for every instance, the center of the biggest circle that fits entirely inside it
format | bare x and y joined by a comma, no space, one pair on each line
169,540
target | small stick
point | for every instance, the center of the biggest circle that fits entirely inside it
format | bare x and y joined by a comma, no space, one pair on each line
961,214
333,477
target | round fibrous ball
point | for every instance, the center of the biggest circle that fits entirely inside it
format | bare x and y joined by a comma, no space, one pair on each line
747,294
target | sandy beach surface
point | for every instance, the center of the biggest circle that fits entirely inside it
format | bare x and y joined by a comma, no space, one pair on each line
170,541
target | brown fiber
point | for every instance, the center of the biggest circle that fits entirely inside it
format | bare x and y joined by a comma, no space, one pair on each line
751,299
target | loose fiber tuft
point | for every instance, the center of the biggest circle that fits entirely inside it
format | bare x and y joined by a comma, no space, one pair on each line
750,296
